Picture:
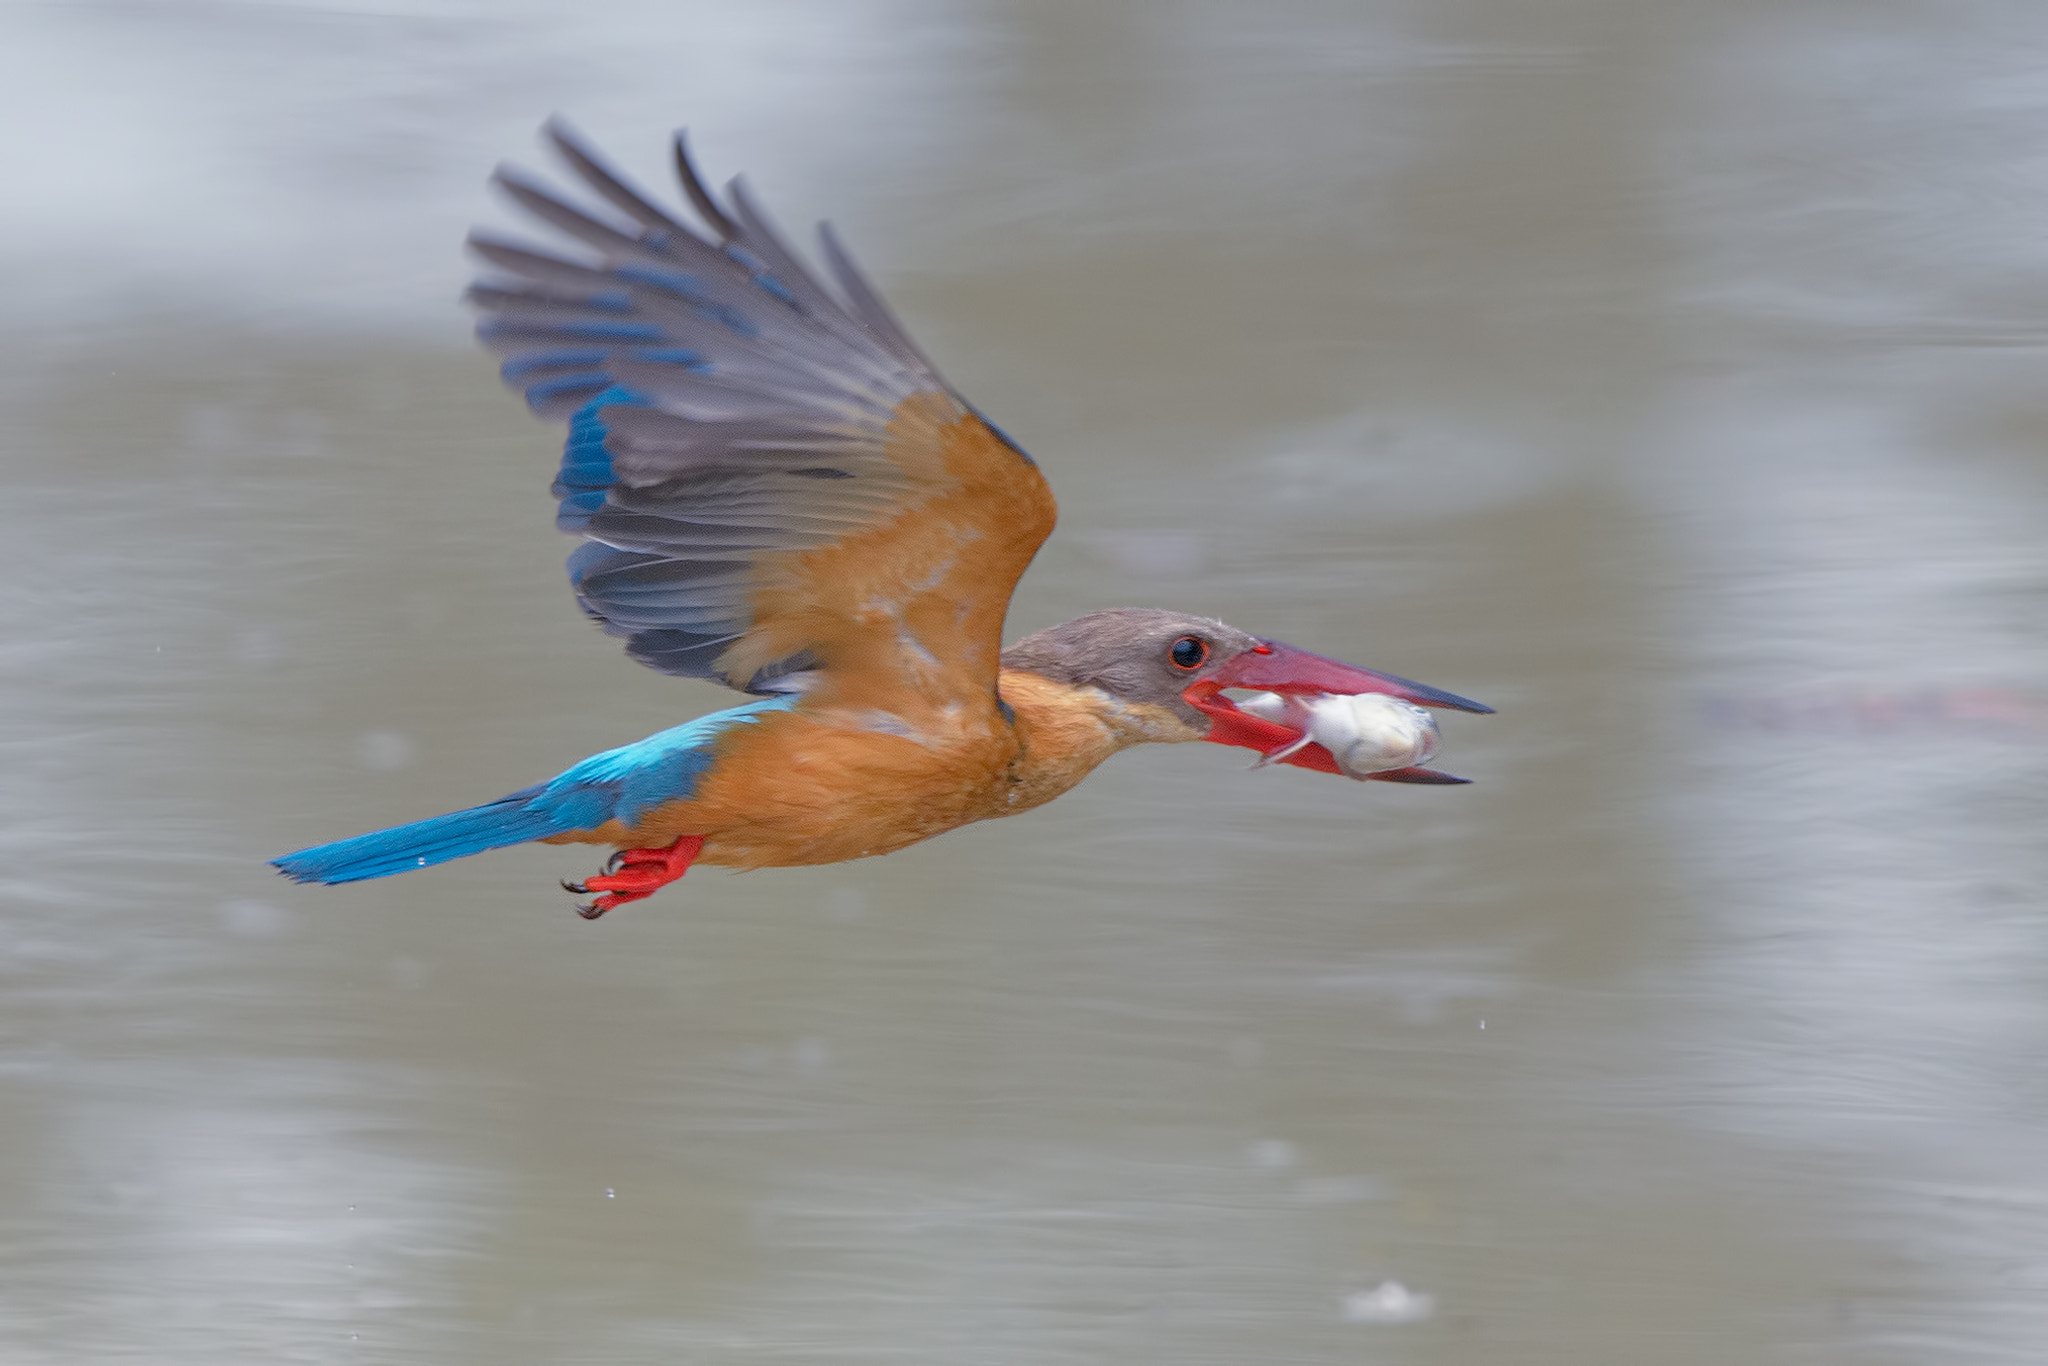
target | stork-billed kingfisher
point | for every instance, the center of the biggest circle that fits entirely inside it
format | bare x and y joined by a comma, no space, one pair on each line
777,491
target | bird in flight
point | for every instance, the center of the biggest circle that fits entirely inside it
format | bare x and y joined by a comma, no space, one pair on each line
777,491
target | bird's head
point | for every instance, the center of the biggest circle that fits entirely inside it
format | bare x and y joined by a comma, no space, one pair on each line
1170,662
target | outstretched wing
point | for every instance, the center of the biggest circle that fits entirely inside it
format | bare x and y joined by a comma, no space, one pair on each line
776,488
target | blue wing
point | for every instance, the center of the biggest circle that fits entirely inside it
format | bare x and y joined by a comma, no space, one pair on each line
620,784
722,407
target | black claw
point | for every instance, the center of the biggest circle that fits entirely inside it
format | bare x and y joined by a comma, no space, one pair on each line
592,911
575,888
613,864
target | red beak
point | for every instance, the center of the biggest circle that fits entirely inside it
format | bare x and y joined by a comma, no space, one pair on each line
1270,666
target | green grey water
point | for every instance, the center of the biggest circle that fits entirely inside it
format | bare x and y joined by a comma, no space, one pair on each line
1665,375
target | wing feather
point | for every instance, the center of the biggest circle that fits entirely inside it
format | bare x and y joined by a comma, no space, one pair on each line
693,188
591,168
776,488
868,307
558,214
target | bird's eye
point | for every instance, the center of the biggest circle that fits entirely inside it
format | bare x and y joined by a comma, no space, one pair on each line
1188,652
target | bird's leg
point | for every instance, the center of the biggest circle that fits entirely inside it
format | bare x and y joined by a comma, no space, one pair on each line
631,874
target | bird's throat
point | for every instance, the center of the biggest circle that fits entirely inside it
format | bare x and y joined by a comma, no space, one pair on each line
1064,731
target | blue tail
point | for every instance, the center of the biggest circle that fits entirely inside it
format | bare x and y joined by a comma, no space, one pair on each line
620,784
402,848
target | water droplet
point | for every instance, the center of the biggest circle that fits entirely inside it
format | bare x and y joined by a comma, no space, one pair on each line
610,1194
1388,1302
384,749
1272,1154
257,918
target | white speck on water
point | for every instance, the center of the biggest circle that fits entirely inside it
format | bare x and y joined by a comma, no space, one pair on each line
383,749
610,1194
1388,1302
1482,1024
255,918
1272,1154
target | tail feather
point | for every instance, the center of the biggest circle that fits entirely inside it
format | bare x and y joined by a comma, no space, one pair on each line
509,820
620,784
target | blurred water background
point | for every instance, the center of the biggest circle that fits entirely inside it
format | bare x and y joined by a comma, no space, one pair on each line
1668,375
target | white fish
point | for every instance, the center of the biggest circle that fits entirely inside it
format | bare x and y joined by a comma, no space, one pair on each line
1365,732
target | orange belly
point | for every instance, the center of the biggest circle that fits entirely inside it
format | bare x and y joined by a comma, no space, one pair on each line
799,789
821,784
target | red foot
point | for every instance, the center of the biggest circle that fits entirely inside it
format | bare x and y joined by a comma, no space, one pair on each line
631,874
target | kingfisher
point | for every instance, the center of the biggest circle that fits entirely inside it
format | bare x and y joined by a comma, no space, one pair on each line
777,491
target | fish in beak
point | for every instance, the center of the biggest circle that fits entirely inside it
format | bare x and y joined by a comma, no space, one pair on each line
1319,713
